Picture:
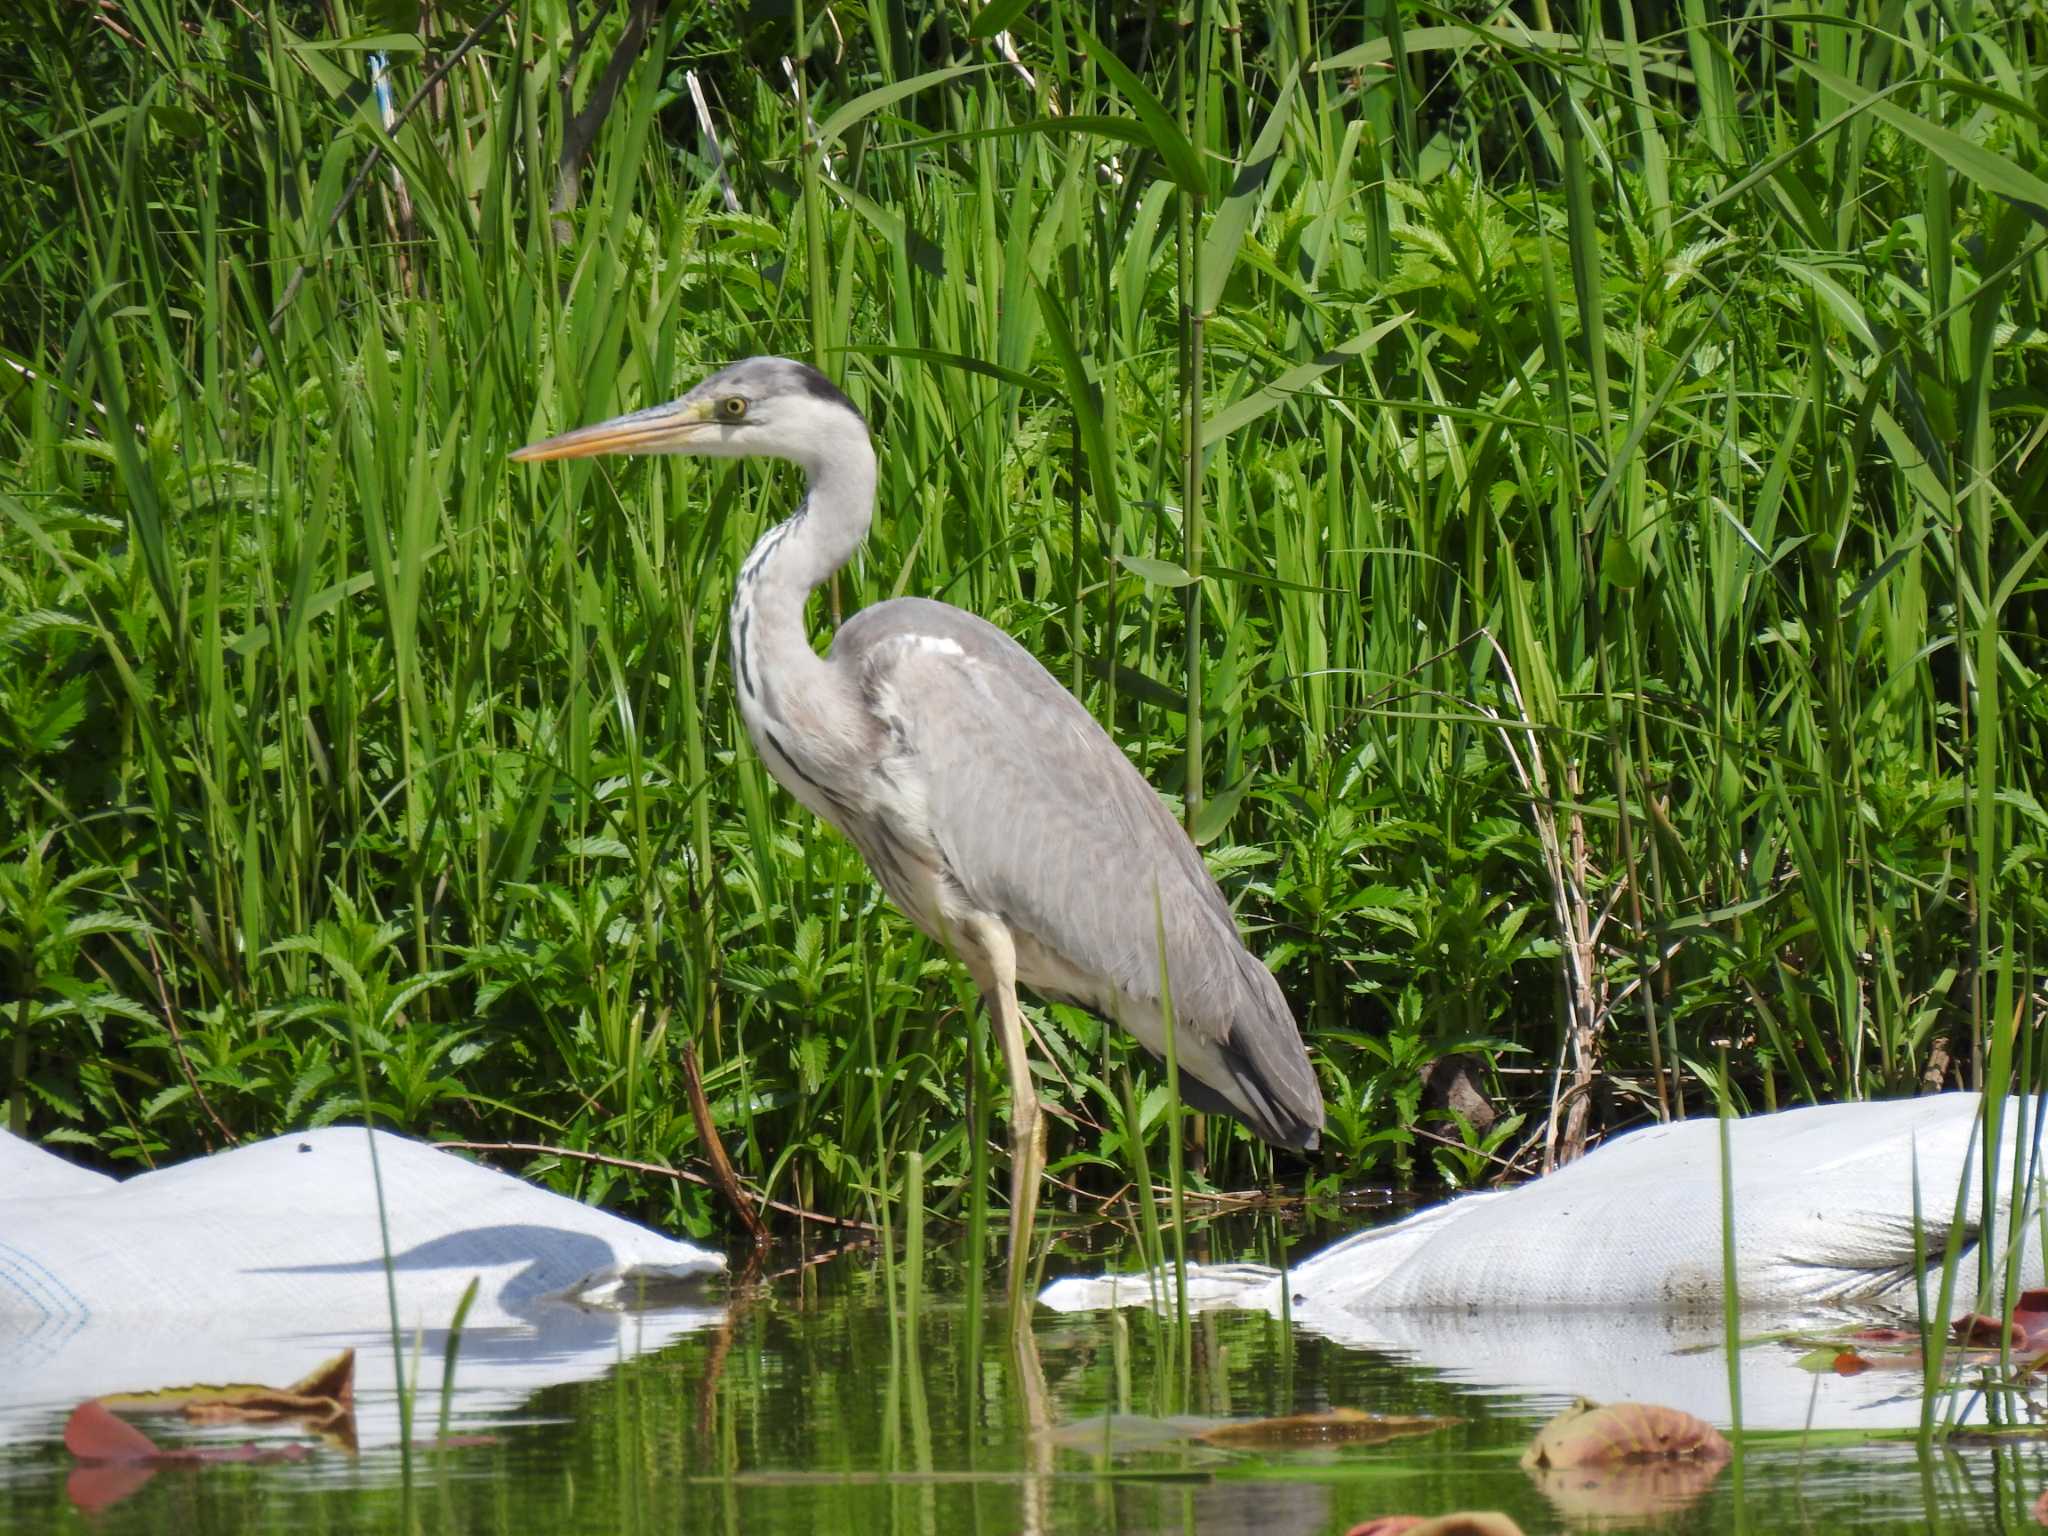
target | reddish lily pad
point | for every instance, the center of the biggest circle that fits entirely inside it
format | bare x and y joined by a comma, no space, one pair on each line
2030,1317
94,1434
1332,1426
1590,1435
1464,1523
1981,1330
1624,1462
320,1400
116,1459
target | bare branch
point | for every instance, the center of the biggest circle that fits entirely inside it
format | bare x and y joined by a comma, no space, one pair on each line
583,126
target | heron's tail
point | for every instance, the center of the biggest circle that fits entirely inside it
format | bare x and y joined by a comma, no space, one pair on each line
1271,1122
1271,1087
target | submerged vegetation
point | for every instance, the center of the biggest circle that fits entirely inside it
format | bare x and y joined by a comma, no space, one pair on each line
1552,492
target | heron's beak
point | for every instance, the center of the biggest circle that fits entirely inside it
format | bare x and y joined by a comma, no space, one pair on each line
658,429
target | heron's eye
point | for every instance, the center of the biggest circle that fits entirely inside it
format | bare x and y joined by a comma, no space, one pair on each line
731,408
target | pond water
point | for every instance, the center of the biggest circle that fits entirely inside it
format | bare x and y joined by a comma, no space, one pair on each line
812,1403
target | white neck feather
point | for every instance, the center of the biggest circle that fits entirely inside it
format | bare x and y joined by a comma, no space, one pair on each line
792,703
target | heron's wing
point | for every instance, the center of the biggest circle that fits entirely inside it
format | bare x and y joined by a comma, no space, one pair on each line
1042,821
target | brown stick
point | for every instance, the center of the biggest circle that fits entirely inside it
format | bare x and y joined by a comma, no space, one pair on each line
178,1044
581,130
714,1150
362,175
660,1170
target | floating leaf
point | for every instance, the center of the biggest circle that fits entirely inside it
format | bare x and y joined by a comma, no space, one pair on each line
93,1433
1979,1330
1331,1426
323,1400
117,1459
1625,1461
1464,1523
1590,1435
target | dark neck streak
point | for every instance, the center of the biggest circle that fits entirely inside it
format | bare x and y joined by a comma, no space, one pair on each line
803,716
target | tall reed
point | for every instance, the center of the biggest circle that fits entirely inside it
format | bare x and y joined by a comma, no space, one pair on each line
1550,501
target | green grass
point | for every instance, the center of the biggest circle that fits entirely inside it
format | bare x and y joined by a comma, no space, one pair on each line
1557,508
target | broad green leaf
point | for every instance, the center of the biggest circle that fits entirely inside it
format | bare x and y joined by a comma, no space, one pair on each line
1135,684
2016,572
1432,39
1989,169
966,364
1164,135
1294,381
996,17
1234,217
1081,398
1124,130
891,224
369,42
1260,579
1835,299
1161,573
869,102
1619,564
1216,811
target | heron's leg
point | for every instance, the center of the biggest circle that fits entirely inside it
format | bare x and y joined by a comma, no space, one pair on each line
997,974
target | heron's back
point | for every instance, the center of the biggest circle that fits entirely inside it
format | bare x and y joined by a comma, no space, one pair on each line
1033,815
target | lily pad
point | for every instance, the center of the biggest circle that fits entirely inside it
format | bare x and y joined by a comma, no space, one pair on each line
1624,1461
1331,1426
1616,1434
1468,1522
323,1401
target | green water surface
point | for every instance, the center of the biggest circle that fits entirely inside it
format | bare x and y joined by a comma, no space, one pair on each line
817,1405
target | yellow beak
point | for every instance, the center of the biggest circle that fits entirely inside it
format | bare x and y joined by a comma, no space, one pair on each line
658,429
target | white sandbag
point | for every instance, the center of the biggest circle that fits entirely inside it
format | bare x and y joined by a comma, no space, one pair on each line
1823,1203
254,1264
26,1169
1594,1280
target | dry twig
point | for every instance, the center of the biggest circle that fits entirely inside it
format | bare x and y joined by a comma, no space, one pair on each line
660,1170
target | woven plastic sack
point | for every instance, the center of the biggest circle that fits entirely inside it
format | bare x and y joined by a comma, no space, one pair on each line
1605,1278
254,1264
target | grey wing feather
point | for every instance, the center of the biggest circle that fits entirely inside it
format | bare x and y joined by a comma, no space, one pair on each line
1043,821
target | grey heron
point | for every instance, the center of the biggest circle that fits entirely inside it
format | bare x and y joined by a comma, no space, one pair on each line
995,812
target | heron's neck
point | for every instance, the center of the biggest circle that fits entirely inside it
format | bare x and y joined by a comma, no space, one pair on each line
780,677
794,558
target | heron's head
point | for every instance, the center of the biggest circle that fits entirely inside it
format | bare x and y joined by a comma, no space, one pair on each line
764,406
